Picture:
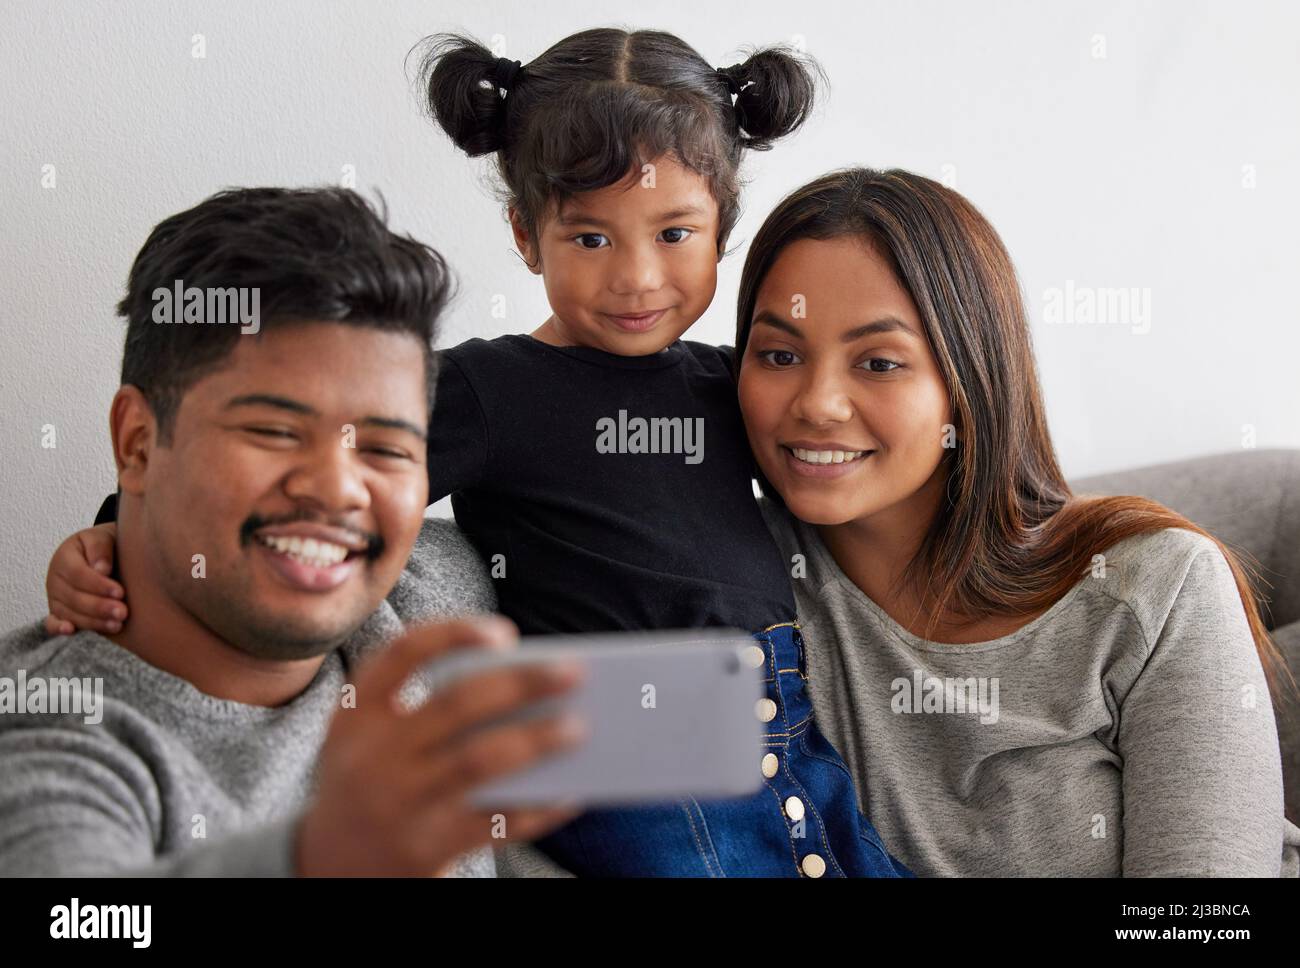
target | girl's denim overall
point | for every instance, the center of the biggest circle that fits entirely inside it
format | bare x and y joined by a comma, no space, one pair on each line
803,822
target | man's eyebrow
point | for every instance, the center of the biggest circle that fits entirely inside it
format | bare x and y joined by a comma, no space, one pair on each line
582,218
395,423
884,324
295,406
270,400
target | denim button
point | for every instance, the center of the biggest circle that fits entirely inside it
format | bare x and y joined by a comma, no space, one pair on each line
770,765
794,809
765,710
753,657
813,866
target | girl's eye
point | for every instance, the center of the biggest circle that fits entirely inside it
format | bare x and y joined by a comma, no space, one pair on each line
777,358
386,452
584,237
677,239
889,367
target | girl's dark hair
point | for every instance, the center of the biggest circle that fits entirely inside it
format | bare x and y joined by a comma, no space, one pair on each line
604,102
1011,538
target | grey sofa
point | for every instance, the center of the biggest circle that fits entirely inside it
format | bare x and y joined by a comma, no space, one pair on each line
1250,500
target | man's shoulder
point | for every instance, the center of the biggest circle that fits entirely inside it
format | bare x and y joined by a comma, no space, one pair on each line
27,647
68,717
29,650
443,577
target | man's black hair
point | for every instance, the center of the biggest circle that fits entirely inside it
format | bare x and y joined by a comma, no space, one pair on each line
313,255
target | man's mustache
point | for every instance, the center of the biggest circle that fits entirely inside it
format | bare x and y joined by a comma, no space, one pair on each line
255,522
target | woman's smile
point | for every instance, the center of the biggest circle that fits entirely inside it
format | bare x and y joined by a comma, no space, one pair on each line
825,462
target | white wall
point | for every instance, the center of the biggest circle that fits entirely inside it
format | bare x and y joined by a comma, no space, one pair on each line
1126,170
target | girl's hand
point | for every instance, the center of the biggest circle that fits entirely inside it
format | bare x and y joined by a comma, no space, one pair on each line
81,594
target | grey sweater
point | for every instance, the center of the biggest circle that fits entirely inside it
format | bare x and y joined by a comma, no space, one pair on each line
175,782
1126,731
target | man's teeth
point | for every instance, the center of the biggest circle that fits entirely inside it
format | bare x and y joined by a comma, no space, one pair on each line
309,551
826,456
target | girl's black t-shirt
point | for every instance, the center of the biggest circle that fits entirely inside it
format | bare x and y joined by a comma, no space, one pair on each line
606,492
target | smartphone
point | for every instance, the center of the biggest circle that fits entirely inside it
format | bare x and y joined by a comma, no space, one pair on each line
668,714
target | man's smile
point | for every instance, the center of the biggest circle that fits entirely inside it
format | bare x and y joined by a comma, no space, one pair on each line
307,564
312,556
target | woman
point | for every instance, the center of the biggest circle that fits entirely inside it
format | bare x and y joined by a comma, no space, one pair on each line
1022,681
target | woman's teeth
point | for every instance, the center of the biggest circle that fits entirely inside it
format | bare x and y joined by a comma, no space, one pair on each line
826,456
308,551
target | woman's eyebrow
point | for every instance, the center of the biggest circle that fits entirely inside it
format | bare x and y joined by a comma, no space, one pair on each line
884,324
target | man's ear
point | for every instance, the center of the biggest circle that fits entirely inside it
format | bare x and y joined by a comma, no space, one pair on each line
134,431
524,242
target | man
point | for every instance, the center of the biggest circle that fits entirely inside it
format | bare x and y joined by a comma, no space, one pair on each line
271,470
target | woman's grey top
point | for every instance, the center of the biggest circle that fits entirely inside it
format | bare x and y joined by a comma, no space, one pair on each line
1127,730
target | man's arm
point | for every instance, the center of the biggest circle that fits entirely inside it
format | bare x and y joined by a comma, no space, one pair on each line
73,803
76,804
525,860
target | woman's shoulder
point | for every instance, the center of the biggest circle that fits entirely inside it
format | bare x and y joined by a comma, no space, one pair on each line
1150,572
1147,572
1152,554
783,525
799,543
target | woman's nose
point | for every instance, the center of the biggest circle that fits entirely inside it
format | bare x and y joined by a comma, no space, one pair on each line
822,399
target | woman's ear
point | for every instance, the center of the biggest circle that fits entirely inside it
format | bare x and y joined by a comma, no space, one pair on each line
524,242
133,429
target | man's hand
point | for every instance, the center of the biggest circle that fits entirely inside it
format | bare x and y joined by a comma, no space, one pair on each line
393,782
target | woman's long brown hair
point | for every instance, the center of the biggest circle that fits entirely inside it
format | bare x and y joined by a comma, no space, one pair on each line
1012,538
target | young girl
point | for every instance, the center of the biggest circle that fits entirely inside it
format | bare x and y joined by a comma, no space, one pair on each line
599,465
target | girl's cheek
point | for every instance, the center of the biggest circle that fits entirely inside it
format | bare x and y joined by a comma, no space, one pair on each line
703,282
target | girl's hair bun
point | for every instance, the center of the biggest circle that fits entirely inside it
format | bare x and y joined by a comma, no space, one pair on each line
776,90
460,86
